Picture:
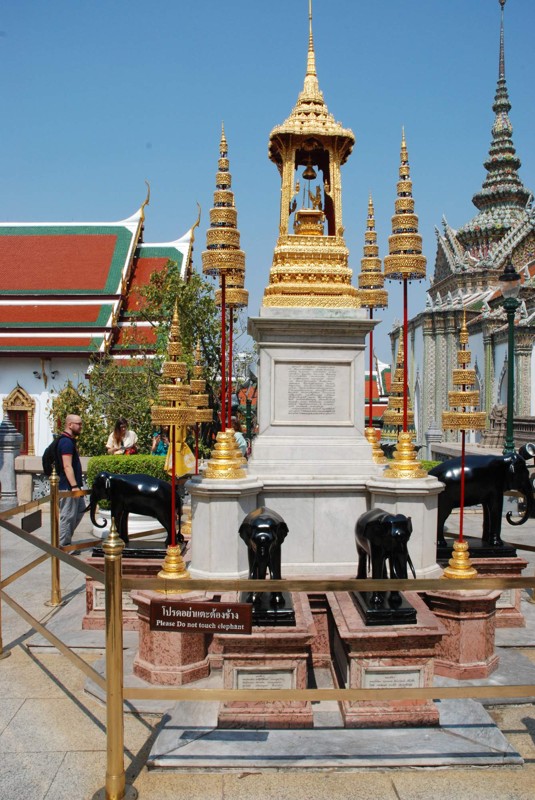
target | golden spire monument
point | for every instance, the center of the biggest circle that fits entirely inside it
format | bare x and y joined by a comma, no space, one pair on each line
405,263
310,263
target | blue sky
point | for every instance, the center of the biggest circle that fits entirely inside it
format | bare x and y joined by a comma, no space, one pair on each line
99,96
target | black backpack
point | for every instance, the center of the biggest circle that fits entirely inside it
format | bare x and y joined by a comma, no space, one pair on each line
51,457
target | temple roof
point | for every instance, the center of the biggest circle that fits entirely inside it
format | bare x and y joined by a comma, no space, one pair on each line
63,285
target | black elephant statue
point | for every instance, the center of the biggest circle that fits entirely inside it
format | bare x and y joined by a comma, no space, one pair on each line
264,531
134,494
382,537
486,478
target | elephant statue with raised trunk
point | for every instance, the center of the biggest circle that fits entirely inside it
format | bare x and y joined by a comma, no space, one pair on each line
134,494
264,531
486,479
382,537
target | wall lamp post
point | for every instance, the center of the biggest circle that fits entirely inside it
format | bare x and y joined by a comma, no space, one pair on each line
510,286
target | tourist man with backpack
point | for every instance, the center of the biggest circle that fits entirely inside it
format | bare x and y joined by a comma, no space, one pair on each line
71,509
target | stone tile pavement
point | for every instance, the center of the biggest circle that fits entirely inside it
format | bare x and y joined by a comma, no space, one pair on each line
52,733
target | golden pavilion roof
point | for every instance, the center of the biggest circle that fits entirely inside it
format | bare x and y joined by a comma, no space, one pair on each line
310,115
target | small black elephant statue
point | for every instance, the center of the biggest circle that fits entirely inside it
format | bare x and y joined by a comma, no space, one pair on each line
382,537
486,478
264,531
134,494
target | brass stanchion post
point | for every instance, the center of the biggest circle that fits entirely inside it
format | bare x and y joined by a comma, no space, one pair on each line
115,788
55,591
3,654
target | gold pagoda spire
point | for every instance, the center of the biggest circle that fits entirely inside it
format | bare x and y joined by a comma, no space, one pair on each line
393,415
223,255
405,259
462,417
310,264
371,278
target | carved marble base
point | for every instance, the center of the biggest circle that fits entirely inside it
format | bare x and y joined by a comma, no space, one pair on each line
169,658
468,650
398,656
269,658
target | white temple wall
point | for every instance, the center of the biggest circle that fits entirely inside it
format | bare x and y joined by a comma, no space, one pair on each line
28,374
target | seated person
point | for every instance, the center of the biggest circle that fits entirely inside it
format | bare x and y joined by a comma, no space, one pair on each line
121,440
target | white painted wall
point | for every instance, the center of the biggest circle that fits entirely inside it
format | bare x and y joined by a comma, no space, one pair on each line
15,370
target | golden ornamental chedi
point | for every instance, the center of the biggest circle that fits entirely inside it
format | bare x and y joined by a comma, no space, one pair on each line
405,259
223,256
310,264
371,278
464,398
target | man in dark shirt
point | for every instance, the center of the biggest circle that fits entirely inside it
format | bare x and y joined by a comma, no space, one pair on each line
71,509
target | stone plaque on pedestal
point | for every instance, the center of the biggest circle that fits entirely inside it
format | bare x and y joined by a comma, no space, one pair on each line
387,657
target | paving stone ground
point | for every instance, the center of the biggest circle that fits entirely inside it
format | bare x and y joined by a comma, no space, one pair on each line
52,733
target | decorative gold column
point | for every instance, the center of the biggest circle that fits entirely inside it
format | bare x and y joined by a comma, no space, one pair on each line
405,263
463,399
176,412
372,295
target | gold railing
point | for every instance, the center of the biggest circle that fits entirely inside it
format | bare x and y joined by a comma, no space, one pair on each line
115,787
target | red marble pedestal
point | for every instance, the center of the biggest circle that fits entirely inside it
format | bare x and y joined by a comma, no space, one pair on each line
95,614
389,656
468,650
508,613
269,658
169,658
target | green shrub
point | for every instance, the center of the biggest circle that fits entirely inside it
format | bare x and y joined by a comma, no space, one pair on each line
427,465
127,465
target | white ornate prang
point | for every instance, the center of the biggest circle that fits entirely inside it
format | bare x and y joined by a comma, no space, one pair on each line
523,311
449,300
428,301
438,300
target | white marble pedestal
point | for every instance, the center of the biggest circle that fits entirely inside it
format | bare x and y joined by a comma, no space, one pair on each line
417,498
218,508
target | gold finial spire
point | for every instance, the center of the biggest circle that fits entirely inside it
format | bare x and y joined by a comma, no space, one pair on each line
223,146
145,202
311,56
311,87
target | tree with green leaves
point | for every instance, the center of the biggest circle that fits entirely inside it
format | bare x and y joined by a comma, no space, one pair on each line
128,387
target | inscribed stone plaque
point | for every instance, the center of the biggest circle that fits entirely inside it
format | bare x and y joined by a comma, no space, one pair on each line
307,392
99,600
264,679
392,678
506,599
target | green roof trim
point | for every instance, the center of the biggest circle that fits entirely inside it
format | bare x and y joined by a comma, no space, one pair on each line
123,235
95,345
160,252
103,316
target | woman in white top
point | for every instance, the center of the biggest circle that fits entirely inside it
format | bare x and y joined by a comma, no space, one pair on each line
121,440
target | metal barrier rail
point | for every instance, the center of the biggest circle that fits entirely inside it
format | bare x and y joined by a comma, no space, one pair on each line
115,781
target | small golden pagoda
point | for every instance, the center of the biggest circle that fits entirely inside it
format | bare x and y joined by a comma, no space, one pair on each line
405,260
464,398
462,417
393,415
223,255
372,295
310,264
176,412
